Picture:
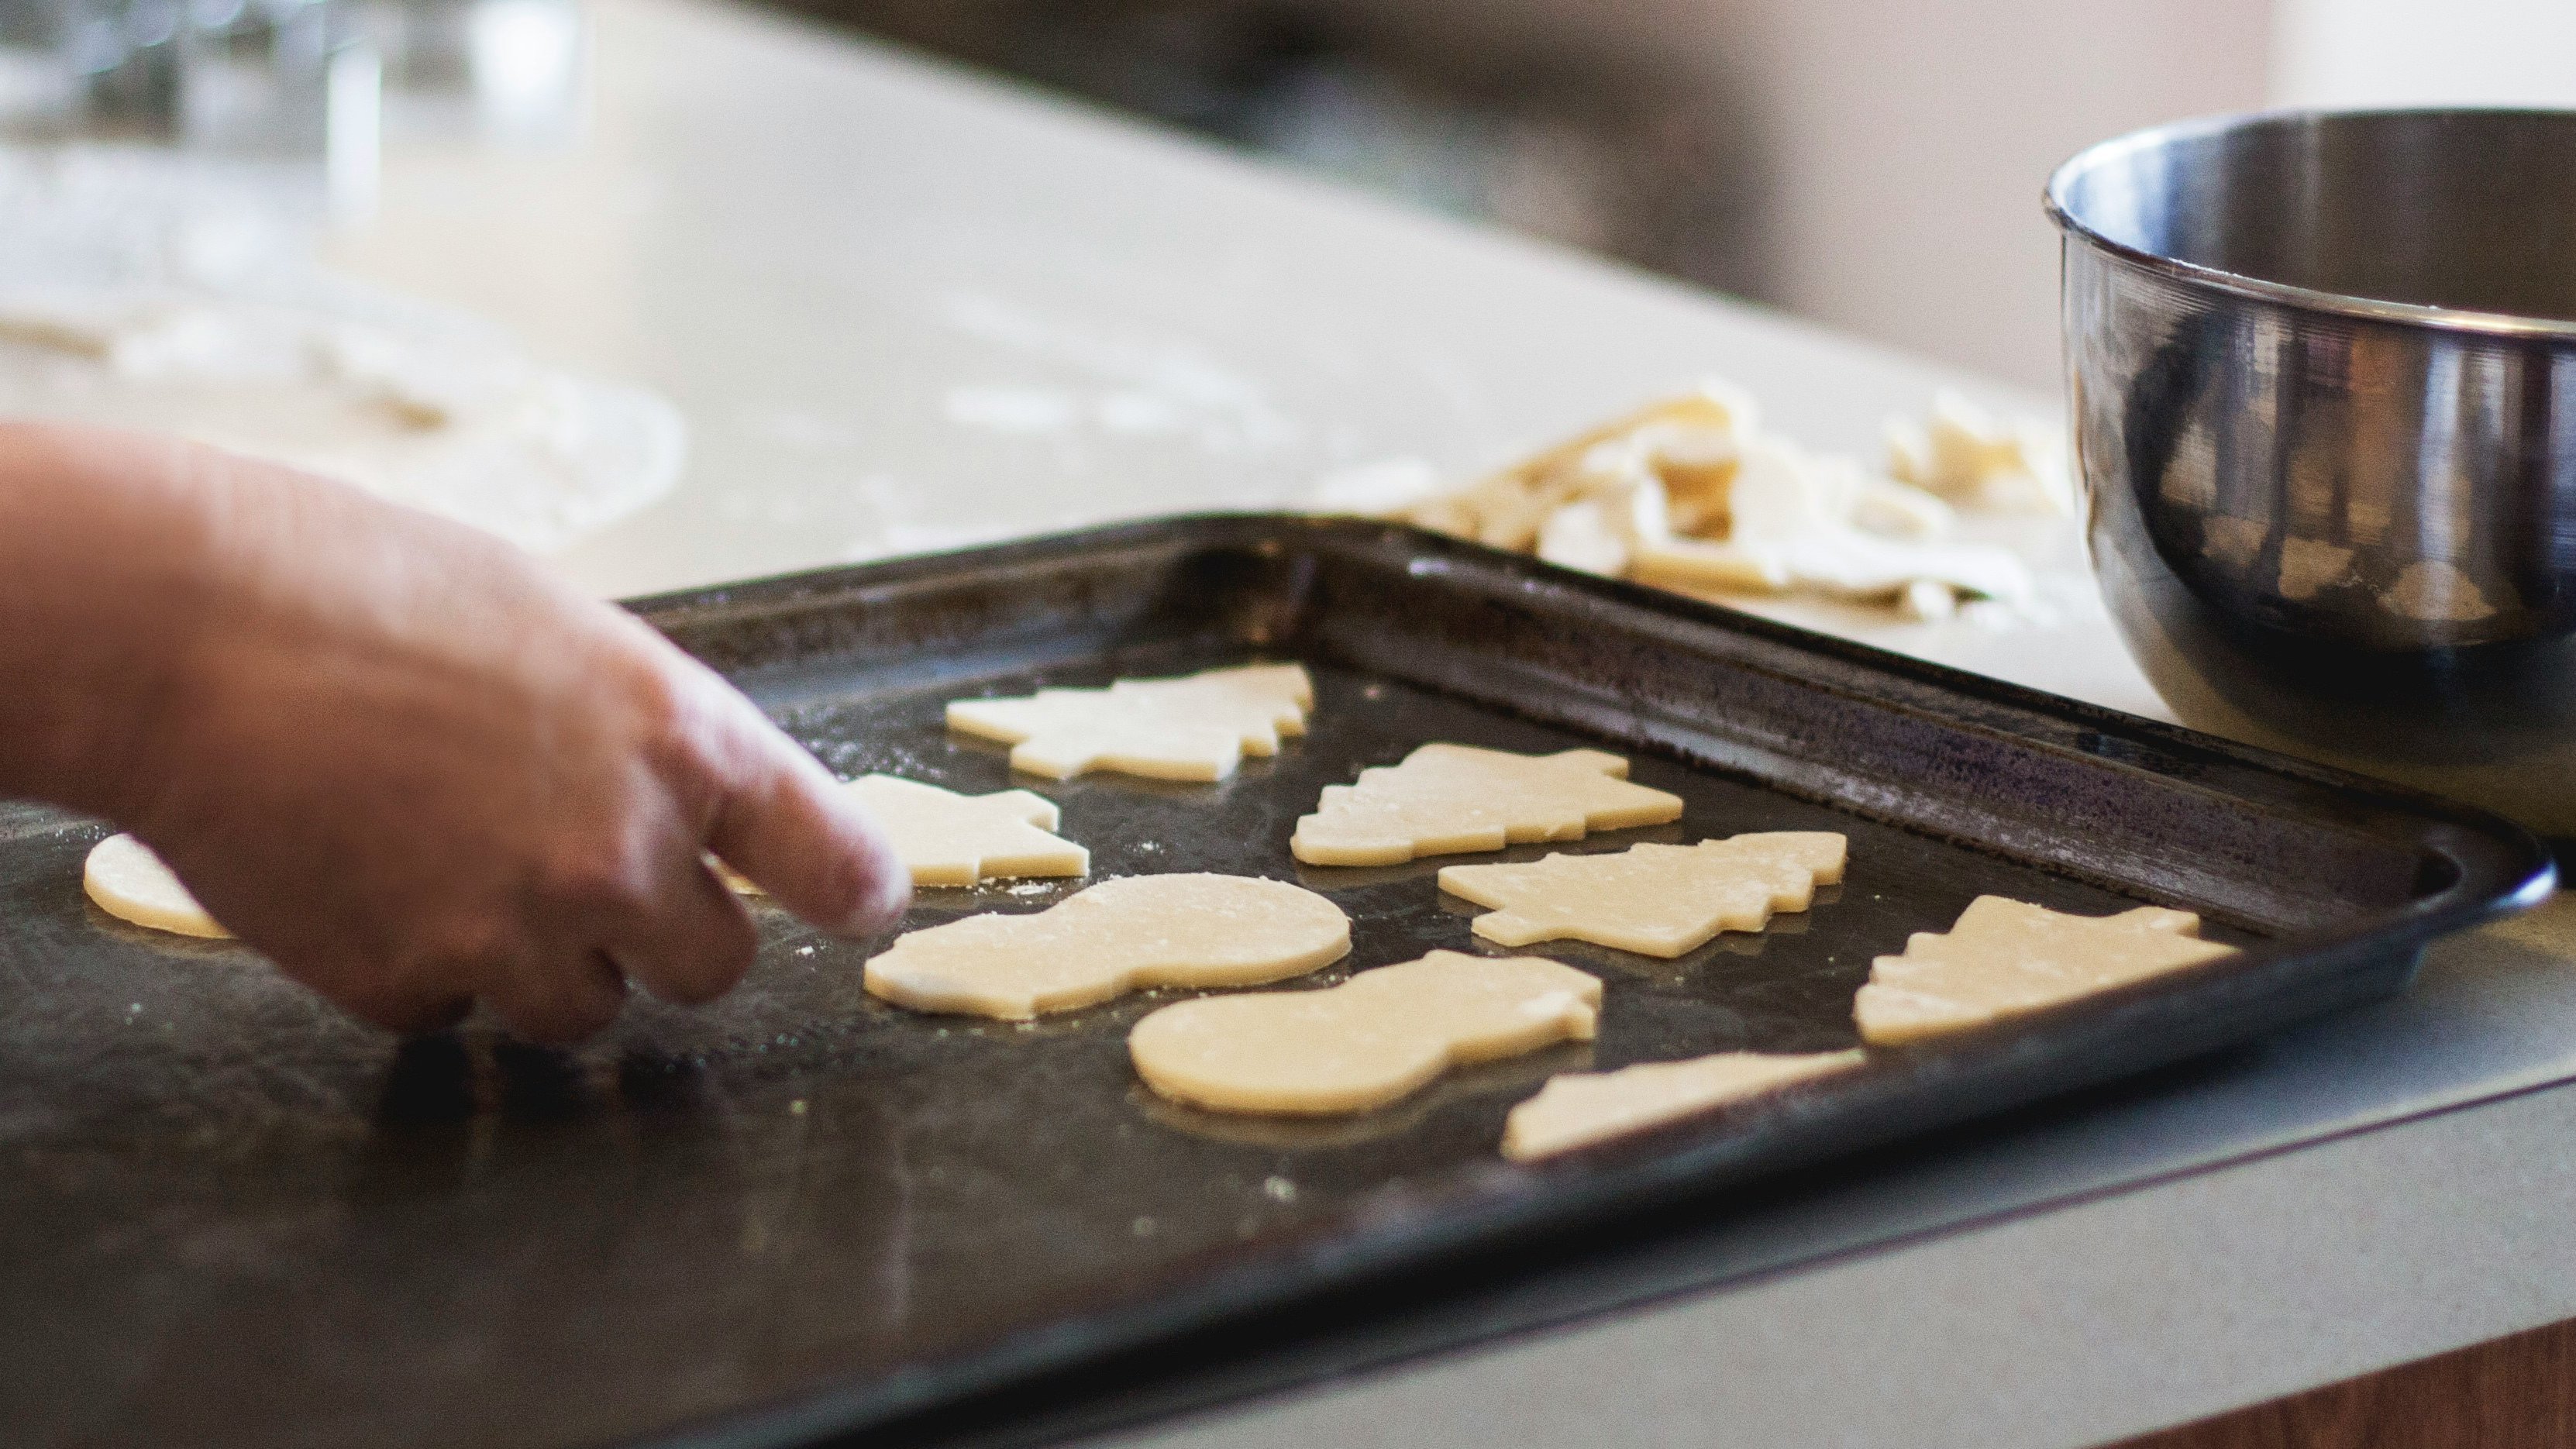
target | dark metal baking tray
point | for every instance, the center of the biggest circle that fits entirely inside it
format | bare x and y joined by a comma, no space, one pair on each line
234,1217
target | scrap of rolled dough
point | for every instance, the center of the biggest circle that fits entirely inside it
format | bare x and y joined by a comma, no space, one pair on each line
1196,727
1375,1038
1116,937
130,883
1656,900
2006,957
1446,799
1578,1109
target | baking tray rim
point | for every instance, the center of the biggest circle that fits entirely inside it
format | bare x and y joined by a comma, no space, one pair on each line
2523,867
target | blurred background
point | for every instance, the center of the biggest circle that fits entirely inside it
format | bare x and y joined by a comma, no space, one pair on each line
1872,164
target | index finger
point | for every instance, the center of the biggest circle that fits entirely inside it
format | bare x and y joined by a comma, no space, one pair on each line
802,836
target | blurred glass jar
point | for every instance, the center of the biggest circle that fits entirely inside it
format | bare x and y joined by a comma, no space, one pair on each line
509,72
283,79
256,76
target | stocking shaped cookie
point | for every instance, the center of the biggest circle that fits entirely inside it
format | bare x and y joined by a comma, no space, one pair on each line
1656,900
2006,957
1446,799
1116,937
1196,727
1579,1109
1375,1038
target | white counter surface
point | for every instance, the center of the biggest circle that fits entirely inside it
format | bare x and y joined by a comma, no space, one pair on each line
905,310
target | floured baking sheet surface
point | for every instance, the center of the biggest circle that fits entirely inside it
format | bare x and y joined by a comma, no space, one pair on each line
801,1210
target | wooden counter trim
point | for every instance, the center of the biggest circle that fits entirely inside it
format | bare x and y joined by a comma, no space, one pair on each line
2507,1393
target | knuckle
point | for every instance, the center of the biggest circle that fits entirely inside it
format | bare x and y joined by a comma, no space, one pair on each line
724,957
597,873
460,949
700,959
583,1000
677,720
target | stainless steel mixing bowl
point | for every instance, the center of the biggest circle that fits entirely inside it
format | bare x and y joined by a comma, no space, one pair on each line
2323,373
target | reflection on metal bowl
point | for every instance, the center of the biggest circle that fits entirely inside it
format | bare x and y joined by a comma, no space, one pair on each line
2323,374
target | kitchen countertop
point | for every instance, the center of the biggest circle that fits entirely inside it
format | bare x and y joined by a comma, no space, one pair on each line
906,309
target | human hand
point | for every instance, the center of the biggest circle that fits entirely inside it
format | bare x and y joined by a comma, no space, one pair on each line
402,759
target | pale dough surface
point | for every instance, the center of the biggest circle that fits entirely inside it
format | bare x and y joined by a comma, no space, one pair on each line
2006,957
1579,1109
1116,937
1195,727
1374,1039
1446,799
949,839
130,883
1656,900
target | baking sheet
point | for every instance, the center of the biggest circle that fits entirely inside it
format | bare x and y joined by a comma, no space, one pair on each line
237,1218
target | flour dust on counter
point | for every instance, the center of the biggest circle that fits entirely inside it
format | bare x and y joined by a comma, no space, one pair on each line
181,295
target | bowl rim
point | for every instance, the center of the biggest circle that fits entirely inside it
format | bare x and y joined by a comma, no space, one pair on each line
2415,314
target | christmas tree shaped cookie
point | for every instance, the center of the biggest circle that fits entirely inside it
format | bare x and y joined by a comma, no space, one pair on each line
2006,957
1118,936
1196,727
1446,799
1656,900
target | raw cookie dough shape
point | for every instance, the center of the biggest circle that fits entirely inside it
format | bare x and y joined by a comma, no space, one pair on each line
1655,900
1374,1039
1579,1109
2007,957
1447,799
948,839
1116,937
130,883
1195,727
